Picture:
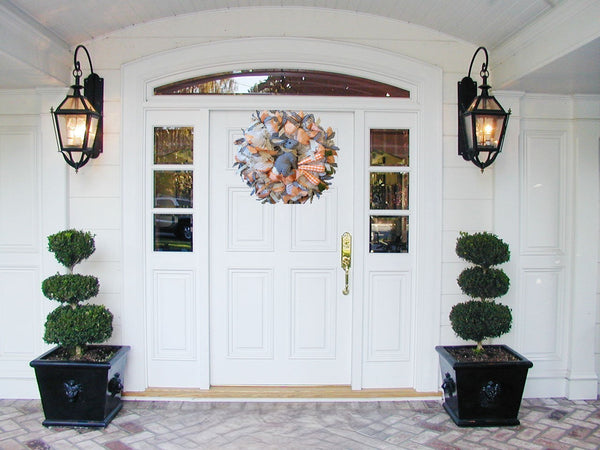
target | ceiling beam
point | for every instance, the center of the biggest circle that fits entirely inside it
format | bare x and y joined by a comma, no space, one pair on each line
33,45
567,27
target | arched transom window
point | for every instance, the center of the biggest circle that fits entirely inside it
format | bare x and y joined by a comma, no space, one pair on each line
282,82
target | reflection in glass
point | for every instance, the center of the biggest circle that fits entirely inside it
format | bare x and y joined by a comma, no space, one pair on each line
282,82
389,234
389,190
389,148
173,145
173,232
173,189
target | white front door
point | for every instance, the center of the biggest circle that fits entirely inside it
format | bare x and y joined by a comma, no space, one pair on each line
277,312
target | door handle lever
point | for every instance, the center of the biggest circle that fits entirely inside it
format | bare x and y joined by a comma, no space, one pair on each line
346,260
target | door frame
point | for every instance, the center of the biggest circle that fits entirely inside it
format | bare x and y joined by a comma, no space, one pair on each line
423,80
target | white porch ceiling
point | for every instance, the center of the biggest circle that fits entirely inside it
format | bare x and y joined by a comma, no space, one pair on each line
38,36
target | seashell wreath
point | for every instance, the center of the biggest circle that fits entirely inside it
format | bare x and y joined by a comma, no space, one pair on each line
286,156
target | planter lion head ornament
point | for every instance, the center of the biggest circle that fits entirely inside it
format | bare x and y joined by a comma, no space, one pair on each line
286,156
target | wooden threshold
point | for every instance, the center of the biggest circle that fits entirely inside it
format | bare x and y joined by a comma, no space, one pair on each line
281,392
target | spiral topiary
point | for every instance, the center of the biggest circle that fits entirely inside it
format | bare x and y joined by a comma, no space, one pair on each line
73,325
482,317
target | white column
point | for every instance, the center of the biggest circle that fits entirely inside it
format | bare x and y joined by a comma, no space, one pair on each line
581,376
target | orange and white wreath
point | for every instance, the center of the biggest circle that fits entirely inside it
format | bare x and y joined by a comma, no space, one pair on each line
286,156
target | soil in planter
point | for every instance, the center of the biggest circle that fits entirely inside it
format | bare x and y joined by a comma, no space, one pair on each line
100,354
490,354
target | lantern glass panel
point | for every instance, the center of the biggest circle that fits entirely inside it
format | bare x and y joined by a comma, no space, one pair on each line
490,103
488,129
72,130
468,121
93,127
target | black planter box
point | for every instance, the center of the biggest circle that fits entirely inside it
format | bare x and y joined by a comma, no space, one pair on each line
78,393
482,394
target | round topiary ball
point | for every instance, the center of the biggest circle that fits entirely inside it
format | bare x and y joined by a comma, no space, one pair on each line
70,247
477,320
70,288
484,249
84,324
479,282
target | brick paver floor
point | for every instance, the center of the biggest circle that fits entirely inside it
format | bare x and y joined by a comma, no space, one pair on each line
545,424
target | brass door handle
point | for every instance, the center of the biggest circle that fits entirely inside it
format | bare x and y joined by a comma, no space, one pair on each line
346,260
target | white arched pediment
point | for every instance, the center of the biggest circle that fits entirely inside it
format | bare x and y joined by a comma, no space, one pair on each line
423,80
294,53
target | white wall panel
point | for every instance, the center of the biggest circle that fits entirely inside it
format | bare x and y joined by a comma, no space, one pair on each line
19,303
244,210
314,225
313,315
174,331
468,214
92,213
542,194
19,197
98,181
250,313
388,316
542,291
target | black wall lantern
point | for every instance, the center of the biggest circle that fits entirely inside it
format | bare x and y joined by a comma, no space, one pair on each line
481,119
78,119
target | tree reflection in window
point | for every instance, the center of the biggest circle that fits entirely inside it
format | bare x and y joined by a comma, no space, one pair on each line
282,82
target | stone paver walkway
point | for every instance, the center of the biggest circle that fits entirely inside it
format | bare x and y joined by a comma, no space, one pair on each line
545,424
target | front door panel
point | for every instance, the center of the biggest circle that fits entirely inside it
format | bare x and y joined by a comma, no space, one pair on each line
277,312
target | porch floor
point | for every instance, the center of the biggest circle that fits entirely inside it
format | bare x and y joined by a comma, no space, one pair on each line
545,424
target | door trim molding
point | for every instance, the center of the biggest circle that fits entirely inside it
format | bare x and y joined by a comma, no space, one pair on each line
423,80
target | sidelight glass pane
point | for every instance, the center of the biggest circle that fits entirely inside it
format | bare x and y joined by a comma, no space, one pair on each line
389,234
173,145
173,188
389,148
173,232
389,190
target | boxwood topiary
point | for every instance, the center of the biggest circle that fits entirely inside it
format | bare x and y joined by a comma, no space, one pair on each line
70,247
482,318
483,283
482,249
70,288
477,320
73,325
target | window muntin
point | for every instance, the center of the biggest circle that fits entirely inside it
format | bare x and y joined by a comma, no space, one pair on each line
389,175
282,82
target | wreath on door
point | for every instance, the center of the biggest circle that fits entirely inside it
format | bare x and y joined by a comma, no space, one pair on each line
286,156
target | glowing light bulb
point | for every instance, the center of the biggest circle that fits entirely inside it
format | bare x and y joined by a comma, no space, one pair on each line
75,131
